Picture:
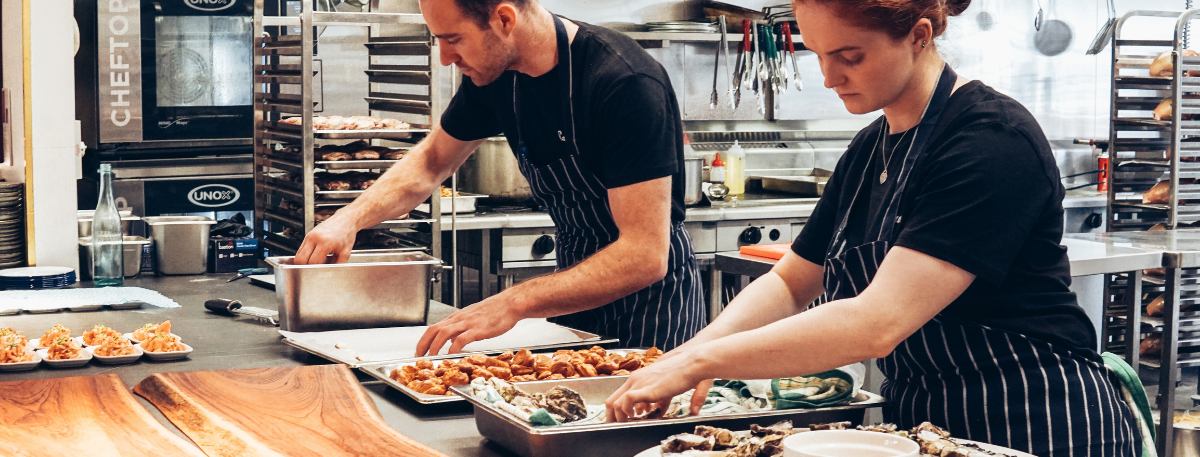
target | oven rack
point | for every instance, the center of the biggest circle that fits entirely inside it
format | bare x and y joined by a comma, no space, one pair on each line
284,88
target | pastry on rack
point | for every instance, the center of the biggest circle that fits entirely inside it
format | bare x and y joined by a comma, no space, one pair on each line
323,214
1163,66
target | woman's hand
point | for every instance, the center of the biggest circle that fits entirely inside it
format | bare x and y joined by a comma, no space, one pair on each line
672,374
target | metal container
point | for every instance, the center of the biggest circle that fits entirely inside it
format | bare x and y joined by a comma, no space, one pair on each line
369,291
85,221
180,244
1187,442
493,170
463,203
131,248
693,169
600,440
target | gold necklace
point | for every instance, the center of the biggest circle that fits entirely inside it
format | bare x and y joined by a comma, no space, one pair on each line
883,151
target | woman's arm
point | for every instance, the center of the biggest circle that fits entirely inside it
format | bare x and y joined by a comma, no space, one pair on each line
909,289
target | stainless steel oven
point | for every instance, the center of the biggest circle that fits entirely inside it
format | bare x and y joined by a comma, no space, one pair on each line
166,75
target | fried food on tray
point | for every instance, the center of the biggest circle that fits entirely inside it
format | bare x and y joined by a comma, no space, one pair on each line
63,349
520,366
163,342
112,347
447,193
54,333
148,330
99,333
8,332
14,349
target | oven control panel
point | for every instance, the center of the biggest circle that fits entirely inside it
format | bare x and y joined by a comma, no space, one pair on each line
734,234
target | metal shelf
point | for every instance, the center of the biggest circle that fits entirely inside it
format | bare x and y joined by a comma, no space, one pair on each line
285,89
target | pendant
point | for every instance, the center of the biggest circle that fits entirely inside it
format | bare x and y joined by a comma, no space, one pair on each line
883,177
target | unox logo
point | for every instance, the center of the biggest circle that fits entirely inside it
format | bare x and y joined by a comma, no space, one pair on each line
209,5
213,195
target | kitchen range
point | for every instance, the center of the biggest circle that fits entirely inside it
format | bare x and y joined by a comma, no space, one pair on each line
284,258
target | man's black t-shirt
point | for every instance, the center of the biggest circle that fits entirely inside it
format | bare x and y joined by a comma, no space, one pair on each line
627,119
986,197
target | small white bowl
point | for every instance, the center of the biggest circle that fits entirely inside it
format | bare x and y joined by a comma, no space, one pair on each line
84,353
22,366
129,336
35,344
167,356
81,343
119,359
848,443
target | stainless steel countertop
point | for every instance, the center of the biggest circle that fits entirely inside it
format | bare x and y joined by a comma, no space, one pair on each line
224,343
1085,199
1087,257
1179,248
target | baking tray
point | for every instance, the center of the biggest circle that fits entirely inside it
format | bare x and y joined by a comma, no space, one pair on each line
602,440
465,203
811,185
374,164
388,134
396,344
382,372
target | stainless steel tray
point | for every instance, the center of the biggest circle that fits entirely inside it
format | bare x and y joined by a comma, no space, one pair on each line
374,164
382,372
389,134
464,203
601,440
397,344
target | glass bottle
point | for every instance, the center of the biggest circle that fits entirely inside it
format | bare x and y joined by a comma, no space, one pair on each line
108,260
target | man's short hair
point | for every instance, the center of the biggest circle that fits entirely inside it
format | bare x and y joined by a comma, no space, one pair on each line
480,11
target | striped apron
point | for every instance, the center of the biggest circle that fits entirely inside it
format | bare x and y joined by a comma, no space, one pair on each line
981,383
665,314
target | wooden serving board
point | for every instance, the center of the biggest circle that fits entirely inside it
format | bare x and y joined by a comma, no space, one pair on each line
81,416
277,412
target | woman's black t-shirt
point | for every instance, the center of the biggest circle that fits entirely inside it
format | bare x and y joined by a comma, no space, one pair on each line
985,196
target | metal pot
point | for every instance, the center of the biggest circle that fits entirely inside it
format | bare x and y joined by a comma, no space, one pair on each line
692,170
493,170
1187,442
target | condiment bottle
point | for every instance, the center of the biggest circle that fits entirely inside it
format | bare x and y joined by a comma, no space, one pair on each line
716,172
735,169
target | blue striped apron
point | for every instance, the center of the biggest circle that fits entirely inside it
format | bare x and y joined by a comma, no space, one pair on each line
981,383
665,314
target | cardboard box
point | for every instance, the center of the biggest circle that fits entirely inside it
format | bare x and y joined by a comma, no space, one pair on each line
228,255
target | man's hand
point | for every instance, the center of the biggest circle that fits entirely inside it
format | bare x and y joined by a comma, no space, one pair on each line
656,385
487,319
334,236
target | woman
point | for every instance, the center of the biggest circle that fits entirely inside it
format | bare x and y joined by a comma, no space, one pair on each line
934,249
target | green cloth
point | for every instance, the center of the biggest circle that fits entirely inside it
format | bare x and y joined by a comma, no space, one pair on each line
542,417
1135,393
838,392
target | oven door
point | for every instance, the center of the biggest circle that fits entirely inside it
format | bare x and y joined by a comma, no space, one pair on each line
197,69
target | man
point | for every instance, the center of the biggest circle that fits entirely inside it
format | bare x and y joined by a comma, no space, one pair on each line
595,126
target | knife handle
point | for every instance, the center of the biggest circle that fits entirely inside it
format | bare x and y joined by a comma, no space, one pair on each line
787,34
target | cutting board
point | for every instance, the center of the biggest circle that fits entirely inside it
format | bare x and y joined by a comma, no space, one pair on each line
770,251
277,412
81,416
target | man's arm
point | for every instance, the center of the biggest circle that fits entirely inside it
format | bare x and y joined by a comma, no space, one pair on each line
636,260
398,191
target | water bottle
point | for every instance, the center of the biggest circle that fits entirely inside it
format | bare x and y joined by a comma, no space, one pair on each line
108,259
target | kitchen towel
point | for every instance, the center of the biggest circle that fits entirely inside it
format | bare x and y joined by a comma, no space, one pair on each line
58,299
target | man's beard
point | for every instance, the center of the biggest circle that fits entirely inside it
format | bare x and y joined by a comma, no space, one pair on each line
497,59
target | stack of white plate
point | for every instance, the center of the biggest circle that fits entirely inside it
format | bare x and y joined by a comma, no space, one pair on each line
30,278
698,26
12,224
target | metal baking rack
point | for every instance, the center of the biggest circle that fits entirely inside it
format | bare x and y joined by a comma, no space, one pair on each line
403,81
1142,153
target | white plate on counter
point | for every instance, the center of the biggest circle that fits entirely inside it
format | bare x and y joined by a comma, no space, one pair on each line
129,336
35,343
656,451
166,356
119,359
85,357
22,366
